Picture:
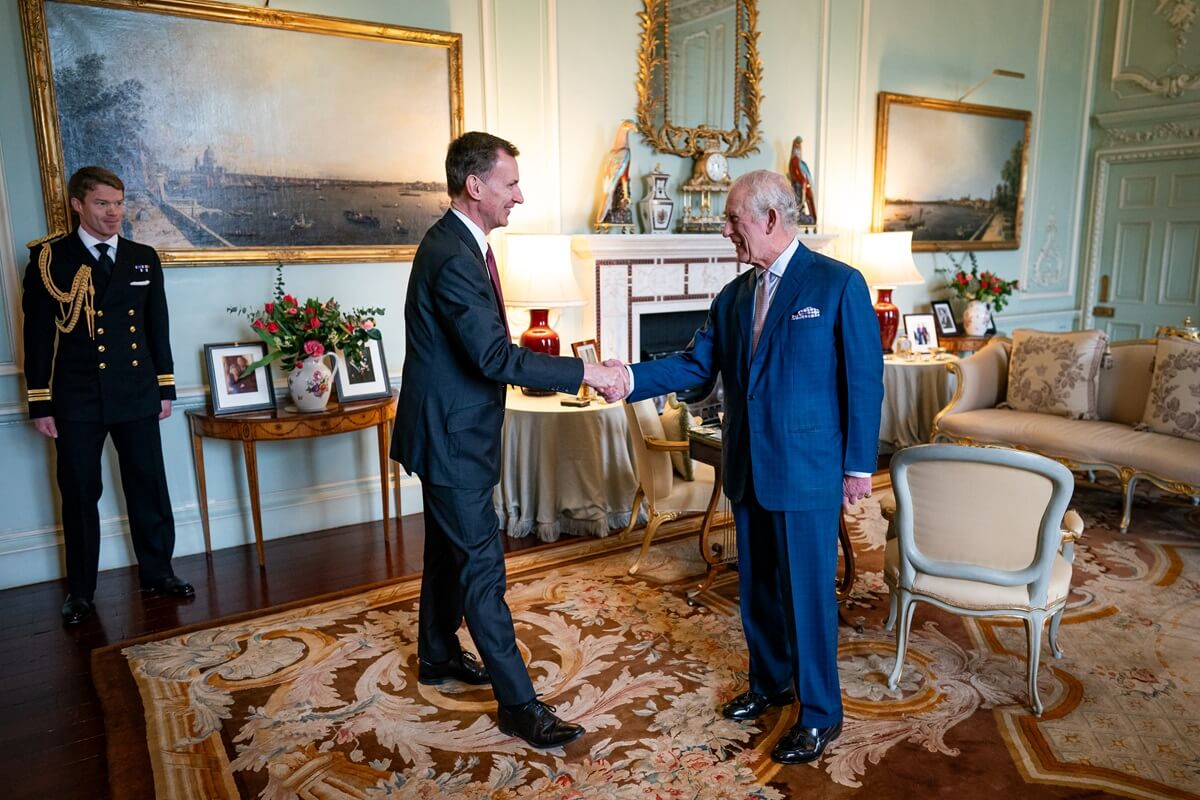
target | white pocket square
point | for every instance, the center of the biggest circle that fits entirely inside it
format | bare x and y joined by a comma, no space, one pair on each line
139,283
810,312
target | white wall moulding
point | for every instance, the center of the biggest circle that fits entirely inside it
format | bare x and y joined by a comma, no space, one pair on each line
1179,122
643,273
1156,52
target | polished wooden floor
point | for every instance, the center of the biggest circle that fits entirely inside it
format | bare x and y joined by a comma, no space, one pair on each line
51,733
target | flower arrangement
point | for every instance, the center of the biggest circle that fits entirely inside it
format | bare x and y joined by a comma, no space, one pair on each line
295,330
987,287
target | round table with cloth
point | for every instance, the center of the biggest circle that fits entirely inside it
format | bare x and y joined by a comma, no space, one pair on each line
564,469
914,391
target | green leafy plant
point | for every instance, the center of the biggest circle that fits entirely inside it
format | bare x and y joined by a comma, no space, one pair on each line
295,330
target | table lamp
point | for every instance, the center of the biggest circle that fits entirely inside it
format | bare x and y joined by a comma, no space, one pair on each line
886,261
538,276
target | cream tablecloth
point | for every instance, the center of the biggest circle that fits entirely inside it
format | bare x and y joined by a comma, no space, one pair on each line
913,393
564,470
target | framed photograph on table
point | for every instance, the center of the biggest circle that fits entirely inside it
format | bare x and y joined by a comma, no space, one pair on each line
367,380
952,173
922,332
232,389
944,316
589,352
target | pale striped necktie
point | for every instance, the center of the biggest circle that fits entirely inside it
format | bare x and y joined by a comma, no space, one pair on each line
762,303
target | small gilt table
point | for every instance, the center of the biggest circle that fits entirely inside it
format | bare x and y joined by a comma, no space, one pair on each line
280,425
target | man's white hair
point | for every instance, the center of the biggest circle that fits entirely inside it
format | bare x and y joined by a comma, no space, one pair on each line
765,190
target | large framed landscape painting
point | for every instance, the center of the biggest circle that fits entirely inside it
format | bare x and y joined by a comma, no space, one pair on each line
952,173
246,134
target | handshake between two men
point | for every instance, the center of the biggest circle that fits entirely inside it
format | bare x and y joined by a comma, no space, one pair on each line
610,379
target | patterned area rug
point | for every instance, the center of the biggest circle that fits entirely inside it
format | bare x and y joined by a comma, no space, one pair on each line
321,700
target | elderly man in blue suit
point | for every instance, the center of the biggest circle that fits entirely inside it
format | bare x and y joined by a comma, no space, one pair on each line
796,342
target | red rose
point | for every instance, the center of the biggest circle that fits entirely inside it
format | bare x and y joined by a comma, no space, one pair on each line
287,298
293,311
258,324
273,327
962,279
269,308
314,323
314,348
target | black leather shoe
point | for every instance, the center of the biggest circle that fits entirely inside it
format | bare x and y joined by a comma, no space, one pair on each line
173,585
801,745
76,609
465,668
536,723
752,705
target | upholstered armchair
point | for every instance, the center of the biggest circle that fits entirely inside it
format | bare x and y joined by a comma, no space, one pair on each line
979,531
667,496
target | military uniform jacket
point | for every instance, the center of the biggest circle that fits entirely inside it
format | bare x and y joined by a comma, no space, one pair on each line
114,363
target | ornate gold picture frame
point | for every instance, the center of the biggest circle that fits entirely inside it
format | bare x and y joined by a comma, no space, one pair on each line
952,173
244,134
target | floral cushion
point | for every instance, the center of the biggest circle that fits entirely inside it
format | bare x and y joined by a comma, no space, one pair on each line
676,422
1055,373
1173,405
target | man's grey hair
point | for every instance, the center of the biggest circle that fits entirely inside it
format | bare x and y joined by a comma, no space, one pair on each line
765,190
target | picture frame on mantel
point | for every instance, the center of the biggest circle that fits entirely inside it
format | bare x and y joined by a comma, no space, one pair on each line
952,173
322,141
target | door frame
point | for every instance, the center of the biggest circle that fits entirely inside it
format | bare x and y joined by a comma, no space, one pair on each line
1102,163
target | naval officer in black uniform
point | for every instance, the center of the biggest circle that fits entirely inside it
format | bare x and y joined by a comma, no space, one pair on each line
98,364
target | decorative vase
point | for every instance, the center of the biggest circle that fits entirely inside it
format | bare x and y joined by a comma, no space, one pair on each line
311,384
657,207
977,318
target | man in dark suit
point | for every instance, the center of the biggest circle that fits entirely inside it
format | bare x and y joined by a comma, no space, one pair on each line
458,359
797,345
98,364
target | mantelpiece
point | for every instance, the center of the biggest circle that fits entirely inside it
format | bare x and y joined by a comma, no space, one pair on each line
645,273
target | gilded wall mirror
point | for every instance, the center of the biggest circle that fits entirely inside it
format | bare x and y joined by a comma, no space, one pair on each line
699,76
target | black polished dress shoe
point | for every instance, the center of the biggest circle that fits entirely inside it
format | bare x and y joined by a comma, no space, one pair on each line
465,668
801,745
752,705
76,609
536,723
172,585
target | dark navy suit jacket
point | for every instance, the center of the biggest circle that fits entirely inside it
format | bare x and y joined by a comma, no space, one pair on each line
805,409
457,361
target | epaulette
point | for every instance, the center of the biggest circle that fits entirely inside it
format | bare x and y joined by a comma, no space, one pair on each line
49,238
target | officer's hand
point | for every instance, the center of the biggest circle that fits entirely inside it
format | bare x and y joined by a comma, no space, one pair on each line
166,409
46,427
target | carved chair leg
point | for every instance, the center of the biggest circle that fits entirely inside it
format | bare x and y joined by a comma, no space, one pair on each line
651,529
1033,630
633,514
1055,622
1127,486
905,621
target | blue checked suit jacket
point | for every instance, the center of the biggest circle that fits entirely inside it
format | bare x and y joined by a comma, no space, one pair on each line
805,409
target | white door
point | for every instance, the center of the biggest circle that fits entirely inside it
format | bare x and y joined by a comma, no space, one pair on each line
1150,249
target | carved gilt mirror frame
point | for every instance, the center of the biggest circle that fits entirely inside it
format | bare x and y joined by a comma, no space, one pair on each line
654,80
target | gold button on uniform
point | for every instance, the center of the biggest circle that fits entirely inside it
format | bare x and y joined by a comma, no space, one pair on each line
100,348
103,365
100,331
133,346
132,329
135,362
99,313
131,312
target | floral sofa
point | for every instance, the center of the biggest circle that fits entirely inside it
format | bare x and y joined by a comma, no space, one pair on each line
1115,440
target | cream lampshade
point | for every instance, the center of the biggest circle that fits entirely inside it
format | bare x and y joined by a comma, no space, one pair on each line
886,261
538,276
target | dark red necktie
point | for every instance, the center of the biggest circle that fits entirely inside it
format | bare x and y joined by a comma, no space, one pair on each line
495,276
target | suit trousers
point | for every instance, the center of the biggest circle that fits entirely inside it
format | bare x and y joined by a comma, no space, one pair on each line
787,566
464,576
144,482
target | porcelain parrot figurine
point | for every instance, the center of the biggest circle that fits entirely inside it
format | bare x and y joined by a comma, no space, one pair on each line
615,208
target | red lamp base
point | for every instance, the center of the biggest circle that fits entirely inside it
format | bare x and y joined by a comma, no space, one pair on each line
889,317
539,337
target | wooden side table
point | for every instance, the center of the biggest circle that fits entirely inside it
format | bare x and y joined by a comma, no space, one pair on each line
963,344
281,425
